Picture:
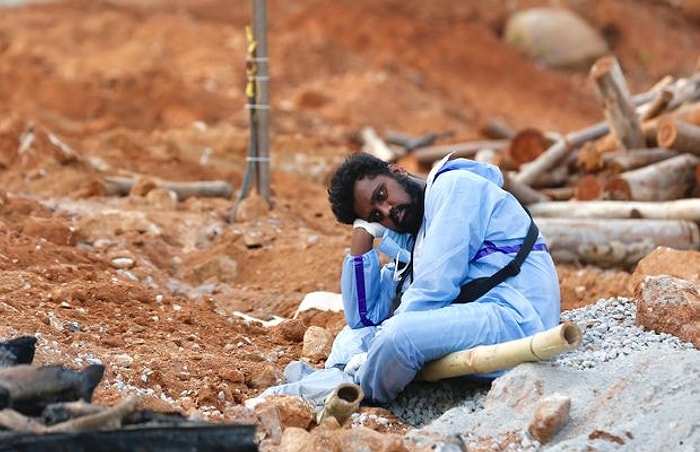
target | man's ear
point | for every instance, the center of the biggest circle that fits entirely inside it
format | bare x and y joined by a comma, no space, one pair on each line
396,169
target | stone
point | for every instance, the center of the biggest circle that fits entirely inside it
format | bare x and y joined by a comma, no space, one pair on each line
683,264
551,414
317,344
670,305
555,37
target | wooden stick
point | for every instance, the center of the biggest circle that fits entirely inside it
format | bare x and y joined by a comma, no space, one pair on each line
558,193
662,181
109,418
121,186
679,136
377,147
18,422
617,103
428,155
681,209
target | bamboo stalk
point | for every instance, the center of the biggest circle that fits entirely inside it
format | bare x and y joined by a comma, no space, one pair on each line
489,358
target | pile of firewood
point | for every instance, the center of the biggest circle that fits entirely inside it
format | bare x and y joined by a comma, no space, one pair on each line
49,407
607,194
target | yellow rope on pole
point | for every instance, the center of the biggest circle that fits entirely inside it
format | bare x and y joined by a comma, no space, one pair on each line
251,64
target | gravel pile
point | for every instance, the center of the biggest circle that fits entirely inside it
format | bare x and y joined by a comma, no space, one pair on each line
609,332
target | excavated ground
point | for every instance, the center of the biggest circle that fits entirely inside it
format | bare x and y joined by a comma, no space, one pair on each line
154,89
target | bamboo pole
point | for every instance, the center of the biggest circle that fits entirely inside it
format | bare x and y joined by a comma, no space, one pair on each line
680,209
489,358
341,403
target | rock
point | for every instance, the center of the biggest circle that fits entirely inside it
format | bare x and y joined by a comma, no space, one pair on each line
670,305
684,264
551,414
317,344
556,37
292,330
280,412
53,230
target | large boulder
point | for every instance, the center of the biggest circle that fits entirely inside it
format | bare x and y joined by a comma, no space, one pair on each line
555,37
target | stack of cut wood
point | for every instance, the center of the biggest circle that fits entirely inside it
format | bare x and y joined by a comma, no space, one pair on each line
49,408
612,192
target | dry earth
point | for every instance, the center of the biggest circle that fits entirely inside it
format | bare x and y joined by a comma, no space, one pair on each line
154,90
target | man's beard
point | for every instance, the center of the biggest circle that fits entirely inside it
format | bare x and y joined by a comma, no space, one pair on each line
413,210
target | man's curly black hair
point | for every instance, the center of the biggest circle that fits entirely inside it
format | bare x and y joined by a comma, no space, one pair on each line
342,185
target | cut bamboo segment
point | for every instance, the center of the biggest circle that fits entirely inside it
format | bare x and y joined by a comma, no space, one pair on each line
489,358
662,181
679,136
680,209
614,242
617,102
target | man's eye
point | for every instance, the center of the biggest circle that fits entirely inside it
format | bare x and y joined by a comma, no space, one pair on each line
381,195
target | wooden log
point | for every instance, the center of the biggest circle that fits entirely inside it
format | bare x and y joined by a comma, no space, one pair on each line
680,209
621,161
614,242
617,103
557,151
523,193
526,146
679,136
689,113
656,106
121,186
555,177
558,193
589,187
496,129
377,147
428,155
662,181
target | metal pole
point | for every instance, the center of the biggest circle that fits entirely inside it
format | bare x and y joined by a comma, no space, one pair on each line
263,104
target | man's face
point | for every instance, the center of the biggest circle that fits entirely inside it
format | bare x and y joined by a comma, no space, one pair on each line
395,201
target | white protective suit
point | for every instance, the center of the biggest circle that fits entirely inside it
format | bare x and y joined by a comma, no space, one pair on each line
471,228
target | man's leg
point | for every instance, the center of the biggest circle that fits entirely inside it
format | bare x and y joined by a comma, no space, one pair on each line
405,342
